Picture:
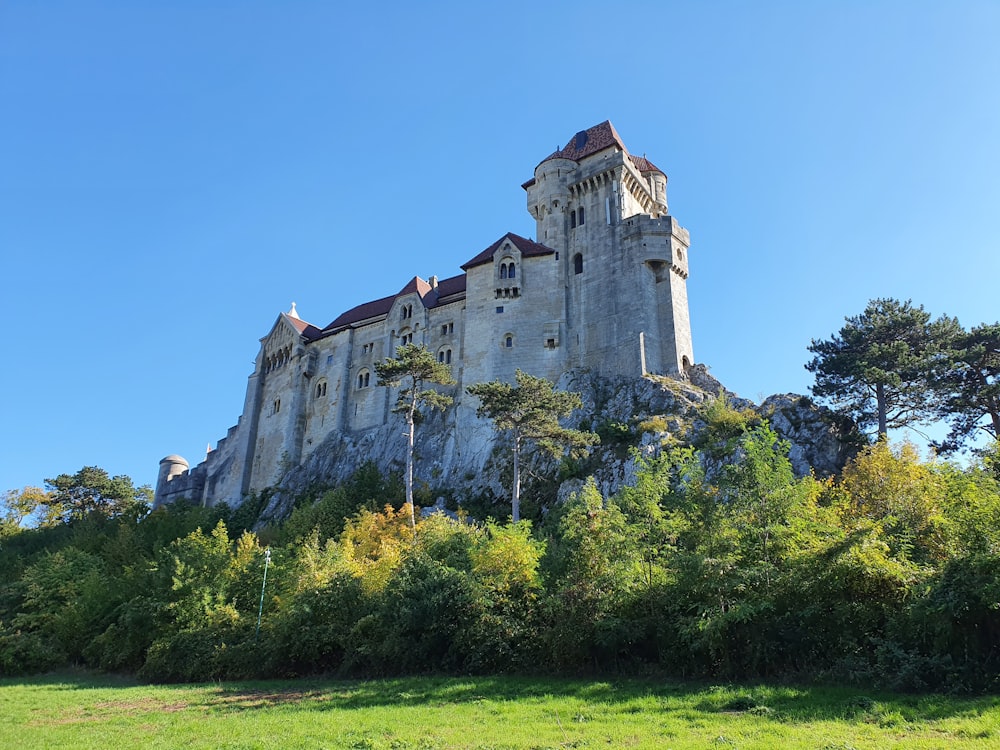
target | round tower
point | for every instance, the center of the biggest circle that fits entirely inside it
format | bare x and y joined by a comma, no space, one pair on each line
170,467
548,195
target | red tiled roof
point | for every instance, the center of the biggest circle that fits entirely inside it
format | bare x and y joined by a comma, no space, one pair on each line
645,165
428,296
588,142
305,329
417,286
361,312
528,248
449,287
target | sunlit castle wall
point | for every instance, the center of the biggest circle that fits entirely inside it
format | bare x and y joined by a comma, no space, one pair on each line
602,288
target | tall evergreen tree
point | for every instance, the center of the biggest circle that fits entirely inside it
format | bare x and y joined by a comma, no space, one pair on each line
968,385
530,412
412,368
876,368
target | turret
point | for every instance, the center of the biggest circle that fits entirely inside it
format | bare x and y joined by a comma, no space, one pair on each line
548,194
170,467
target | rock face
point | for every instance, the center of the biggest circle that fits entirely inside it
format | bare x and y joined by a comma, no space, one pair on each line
821,440
460,455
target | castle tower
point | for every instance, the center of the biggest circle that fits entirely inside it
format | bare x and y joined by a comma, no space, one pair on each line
623,259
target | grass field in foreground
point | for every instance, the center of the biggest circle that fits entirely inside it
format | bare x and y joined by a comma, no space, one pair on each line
88,711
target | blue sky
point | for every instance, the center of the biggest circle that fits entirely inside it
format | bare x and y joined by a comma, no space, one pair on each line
174,174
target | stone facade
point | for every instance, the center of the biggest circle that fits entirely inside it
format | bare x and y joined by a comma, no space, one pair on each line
601,289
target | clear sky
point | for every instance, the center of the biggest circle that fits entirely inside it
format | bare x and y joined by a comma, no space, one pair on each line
174,174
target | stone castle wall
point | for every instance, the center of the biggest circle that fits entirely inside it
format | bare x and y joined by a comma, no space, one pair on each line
602,288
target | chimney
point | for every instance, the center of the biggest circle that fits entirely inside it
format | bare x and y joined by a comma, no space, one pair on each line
434,282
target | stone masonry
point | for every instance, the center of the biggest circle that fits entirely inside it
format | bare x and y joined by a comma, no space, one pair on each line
602,289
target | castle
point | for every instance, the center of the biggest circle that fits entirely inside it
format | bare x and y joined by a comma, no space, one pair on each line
601,287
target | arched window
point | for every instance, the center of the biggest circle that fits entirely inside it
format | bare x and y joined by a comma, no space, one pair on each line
508,341
578,263
503,270
364,378
510,271
447,357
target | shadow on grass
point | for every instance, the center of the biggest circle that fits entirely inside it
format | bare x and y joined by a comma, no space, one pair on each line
787,704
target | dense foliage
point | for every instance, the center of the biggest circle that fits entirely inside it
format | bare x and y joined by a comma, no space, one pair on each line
717,562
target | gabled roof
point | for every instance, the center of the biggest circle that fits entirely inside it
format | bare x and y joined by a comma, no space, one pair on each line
448,288
417,286
429,296
305,329
528,248
361,312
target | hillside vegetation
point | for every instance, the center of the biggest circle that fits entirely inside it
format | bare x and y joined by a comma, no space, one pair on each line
717,562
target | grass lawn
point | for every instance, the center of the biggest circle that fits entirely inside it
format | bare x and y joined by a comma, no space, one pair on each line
93,711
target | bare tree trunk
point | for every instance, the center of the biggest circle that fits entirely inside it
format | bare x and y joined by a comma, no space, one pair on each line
515,501
410,423
883,431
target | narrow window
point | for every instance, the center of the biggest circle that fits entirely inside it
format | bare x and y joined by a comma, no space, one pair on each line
503,270
447,357
329,359
581,216
441,357
572,219
508,342
578,263
510,271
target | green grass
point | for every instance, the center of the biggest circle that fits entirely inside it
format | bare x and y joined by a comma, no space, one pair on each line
87,711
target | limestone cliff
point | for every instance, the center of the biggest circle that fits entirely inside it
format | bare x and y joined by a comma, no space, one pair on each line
460,455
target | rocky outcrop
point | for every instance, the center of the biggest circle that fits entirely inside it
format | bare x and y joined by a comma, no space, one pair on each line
460,455
821,441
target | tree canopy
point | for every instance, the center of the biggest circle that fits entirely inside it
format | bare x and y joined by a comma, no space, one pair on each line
968,386
93,490
875,369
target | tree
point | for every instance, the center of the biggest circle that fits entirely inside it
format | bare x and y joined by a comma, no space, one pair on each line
412,368
18,506
91,490
968,386
530,411
876,367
